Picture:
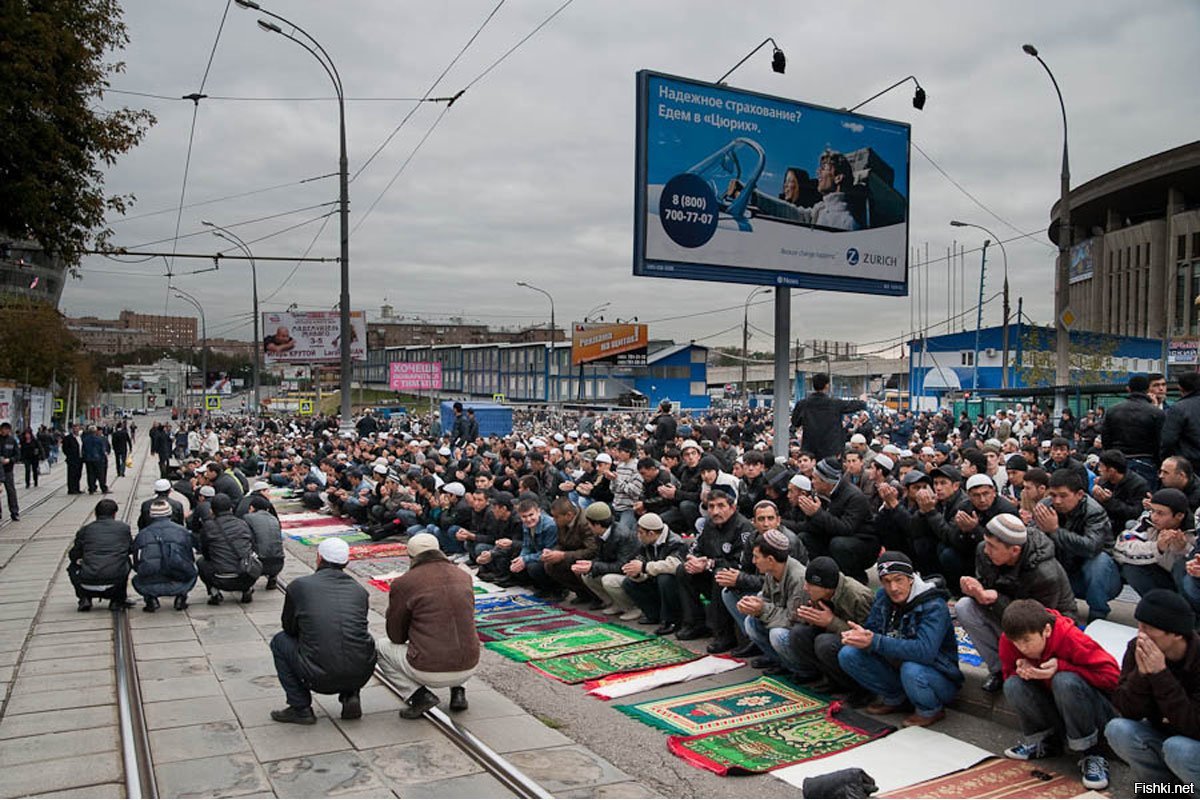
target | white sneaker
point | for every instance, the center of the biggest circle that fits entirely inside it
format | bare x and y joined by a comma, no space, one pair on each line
610,610
631,614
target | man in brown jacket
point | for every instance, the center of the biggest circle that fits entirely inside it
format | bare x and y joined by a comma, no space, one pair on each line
431,639
576,542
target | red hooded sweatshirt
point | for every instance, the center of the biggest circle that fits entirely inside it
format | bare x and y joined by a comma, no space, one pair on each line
1076,652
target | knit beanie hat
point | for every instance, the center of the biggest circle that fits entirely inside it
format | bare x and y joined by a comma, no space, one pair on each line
1167,611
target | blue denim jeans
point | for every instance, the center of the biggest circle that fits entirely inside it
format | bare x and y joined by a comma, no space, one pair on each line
1154,757
1097,582
1071,707
922,685
1189,587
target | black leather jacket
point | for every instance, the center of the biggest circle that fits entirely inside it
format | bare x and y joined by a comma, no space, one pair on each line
103,549
1134,427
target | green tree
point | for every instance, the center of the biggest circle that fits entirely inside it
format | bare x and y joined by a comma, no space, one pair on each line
35,345
1090,357
55,138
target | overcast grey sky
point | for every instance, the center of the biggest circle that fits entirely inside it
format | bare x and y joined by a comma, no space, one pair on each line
529,176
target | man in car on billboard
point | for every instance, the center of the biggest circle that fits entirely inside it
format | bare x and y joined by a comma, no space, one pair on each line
835,176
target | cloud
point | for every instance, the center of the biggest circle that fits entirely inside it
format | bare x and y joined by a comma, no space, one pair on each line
530,175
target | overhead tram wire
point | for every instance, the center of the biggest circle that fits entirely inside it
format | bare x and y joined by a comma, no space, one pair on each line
429,91
979,202
214,200
299,261
226,97
195,97
232,225
474,81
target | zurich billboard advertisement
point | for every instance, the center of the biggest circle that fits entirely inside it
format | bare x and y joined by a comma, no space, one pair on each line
740,187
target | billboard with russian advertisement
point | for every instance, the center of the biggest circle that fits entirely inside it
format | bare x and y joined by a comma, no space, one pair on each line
414,376
311,337
613,343
740,187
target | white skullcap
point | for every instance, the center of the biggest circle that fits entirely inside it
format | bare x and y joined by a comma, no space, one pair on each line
334,550
979,479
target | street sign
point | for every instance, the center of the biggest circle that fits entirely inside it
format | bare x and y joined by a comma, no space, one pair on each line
1067,318
59,405
213,403
306,408
498,398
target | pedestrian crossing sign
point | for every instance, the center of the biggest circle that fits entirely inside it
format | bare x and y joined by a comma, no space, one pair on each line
213,403
306,408
59,406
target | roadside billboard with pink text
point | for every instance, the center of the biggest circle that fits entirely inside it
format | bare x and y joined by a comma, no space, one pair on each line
414,376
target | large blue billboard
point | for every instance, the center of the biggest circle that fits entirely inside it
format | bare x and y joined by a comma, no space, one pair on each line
740,187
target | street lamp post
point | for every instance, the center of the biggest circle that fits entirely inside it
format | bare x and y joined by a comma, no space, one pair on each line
746,336
182,295
236,240
314,48
1062,286
551,354
1004,334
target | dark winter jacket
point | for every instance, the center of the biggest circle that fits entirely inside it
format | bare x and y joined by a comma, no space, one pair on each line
651,499
1169,699
821,418
162,556
224,542
848,514
724,543
95,449
1181,430
1083,533
229,486
102,549
1134,427
1037,575
268,536
920,630
327,612
1125,504
431,608
615,547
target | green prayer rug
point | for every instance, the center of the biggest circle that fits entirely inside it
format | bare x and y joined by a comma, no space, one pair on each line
725,707
580,667
561,643
509,630
779,742
348,538
502,616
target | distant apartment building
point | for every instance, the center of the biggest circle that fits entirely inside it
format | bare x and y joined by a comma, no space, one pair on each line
133,331
392,331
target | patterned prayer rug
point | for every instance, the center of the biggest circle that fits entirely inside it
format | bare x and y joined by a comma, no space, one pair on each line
725,707
380,584
779,742
381,550
350,537
506,601
578,640
967,653
508,630
996,778
501,616
624,684
318,521
579,667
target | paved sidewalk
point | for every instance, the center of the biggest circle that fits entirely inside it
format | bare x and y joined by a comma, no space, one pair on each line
58,721
209,685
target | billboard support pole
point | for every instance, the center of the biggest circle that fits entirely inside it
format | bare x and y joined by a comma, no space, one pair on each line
783,386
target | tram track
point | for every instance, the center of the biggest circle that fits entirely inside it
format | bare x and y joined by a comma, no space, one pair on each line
492,762
137,758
